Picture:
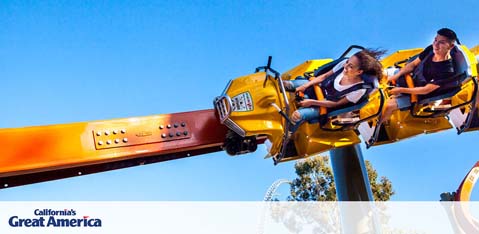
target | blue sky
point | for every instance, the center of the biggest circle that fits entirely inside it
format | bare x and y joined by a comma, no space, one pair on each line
75,61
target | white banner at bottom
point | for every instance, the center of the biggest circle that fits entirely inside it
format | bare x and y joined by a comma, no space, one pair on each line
238,217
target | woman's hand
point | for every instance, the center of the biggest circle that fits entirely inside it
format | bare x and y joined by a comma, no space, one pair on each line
396,91
301,88
306,103
393,78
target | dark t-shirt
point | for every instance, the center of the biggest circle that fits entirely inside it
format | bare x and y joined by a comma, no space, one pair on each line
433,71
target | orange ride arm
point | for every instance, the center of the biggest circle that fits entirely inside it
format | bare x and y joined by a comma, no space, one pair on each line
43,153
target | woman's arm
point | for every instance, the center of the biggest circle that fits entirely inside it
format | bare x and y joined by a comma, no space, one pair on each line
315,81
324,103
320,78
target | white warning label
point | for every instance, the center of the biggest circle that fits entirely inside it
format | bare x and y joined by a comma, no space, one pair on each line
242,102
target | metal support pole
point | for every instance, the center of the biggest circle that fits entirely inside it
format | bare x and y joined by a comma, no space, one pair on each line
352,184
350,174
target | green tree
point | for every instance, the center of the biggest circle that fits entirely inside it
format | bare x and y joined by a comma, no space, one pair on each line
315,181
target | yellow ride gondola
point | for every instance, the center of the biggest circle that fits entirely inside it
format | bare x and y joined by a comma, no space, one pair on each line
450,106
257,105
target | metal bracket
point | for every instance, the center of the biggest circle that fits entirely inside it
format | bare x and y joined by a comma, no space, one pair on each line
141,134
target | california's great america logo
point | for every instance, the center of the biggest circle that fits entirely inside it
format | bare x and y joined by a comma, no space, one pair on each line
54,218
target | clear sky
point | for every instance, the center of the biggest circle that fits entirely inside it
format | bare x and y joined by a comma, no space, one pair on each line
76,61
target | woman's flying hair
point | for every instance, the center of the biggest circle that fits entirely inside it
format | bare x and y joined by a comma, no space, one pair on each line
369,61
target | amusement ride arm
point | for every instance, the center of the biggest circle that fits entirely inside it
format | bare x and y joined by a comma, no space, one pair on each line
44,153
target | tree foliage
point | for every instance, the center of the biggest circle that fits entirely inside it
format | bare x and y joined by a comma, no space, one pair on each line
315,182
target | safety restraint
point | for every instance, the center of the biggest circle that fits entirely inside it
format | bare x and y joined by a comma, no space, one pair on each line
449,84
330,93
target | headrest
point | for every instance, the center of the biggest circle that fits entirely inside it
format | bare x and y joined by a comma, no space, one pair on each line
328,66
461,63
369,79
